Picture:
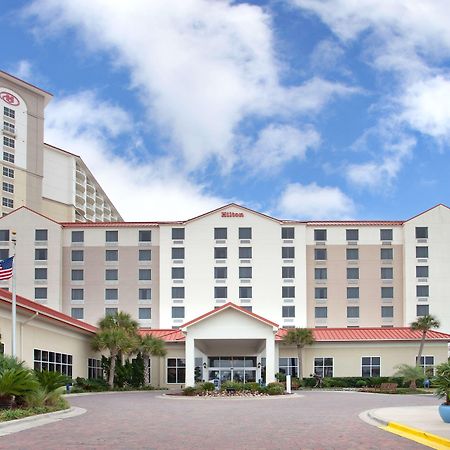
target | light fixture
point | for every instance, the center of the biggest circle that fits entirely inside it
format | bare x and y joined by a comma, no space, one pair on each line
259,365
204,365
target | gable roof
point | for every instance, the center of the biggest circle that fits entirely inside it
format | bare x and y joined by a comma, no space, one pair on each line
426,211
32,211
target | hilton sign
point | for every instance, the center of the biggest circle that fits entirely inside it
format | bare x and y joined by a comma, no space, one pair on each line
232,214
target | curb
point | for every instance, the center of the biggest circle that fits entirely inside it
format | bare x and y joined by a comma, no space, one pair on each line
83,394
230,398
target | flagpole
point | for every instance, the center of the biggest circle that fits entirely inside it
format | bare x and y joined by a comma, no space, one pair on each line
13,343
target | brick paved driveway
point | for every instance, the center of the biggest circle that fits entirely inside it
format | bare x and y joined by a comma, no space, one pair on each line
319,420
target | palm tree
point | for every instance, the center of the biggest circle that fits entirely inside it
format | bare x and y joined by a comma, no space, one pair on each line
118,334
150,346
300,337
424,324
409,374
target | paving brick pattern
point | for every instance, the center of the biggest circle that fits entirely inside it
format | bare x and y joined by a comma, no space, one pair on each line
318,420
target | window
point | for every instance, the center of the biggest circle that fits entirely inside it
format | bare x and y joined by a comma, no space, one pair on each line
145,255
287,233
177,273
288,272
40,254
320,254
8,112
4,253
177,252
7,172
352,312
320,274
176,370
288,366
145,274
387,273
77,275
8,187
145,313
352,254
111,294
288,291
77,255
52,362
352,235
111,255
421,252
320,235
9,127
178,292
323,367
370,366
288,311
111,274
320,312
145,235
220,233
95,369
245,252
422,310
320,293
427,364
177,312
353,292
245,233
245,272
422,271
387,311
421,232
77,313
40,293
40,273
112,236
77,236
177,233
386,234
220,272
77,294
247,308
288,252
220,292
8,202
41,235
387,253
245,292
423,291
220,252
387,292
111,311
352,273
9,142
8,157
145,294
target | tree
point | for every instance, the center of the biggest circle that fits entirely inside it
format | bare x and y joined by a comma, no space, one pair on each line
300,337
118,334
409,374
424,324
150,346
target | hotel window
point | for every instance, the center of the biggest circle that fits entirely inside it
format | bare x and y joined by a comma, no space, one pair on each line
370,366
176,370
111,274
352,235
245,292
77,236
145,255
288,366
422,310
178,292
95,369
220,292
320,293
421,252
423,291
40,235
220,252
320,235
288,311
177,273
52,362
245,272
4,253
40,293
422,271
77,275
8,112
387,311
177,312
220,272
8,202
77,294
288,252
145,294
77,255
287,233
77,313
145,235
145,274
421,232
352,312
8,187
387,273
288,272
387,253
145,313
288,291
352,273
323,367
320,274
352,254
220,233
9,157
247,308
320,254
245,233
427,364
40,254
245,252
7,172
386,234
178,233
8,142
112,236
9,127
111,255
111,311
40,273
353,292
320,312
111,294
177,252
387,292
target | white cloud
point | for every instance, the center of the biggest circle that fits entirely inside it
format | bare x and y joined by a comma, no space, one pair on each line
314,202
23,70
326,55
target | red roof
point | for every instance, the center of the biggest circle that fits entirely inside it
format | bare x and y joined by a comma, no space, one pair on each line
165,335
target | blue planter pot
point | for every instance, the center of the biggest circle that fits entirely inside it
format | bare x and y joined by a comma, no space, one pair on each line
444,412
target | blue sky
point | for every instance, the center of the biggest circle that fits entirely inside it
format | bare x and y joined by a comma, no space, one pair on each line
298,108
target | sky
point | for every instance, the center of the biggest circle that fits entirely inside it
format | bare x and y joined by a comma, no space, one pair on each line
300,109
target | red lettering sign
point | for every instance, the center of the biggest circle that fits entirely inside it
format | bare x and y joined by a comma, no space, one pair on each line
232,214
9,98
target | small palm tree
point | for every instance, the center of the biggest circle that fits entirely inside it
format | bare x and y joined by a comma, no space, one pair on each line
442,382
150,346
424,324
409,373
300,337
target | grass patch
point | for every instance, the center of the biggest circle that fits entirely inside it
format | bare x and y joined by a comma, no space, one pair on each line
20,413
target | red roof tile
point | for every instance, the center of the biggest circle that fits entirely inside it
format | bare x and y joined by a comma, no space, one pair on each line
165,335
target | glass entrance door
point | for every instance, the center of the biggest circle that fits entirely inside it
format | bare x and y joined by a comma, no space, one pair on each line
241,369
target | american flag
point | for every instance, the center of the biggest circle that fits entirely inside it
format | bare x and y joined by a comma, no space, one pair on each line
6,268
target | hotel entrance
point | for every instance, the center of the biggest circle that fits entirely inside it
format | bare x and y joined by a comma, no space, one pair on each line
241,369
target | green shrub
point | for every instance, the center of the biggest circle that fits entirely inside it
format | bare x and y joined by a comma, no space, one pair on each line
280,376
190,391
51,381
232,385
361,383
206,386
252,386
90,385
275,389
296,383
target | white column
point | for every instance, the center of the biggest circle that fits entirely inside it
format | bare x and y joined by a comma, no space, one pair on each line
270,360
190,360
